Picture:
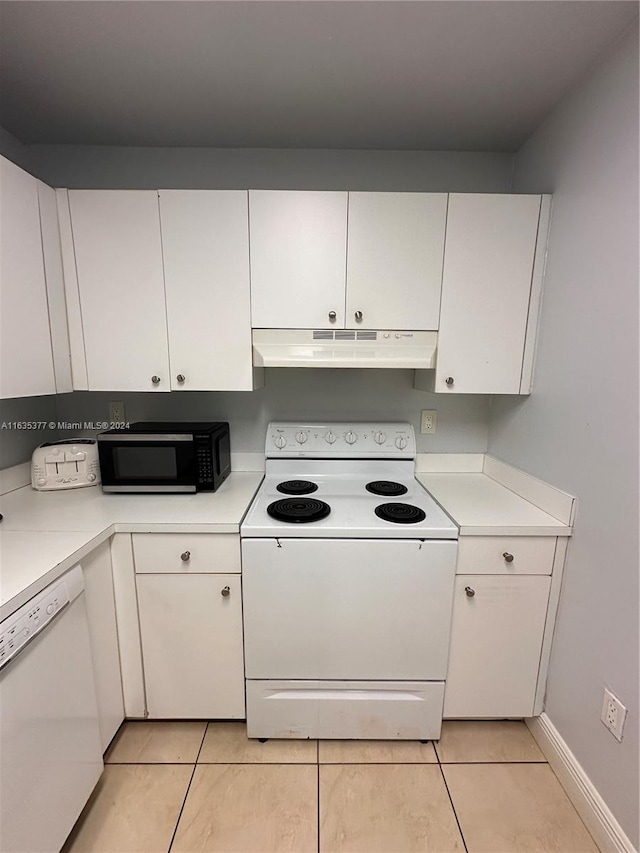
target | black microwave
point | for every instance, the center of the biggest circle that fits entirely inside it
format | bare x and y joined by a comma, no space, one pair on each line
153,456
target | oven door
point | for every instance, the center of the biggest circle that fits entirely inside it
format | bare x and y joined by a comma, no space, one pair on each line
347,608
147,463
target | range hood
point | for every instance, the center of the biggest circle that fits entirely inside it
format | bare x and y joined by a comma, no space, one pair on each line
344,348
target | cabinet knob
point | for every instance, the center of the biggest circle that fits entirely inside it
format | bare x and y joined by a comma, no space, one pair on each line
180,377
332,316
469,591
358,316
508,558
155,380
449,381
225,592
185,556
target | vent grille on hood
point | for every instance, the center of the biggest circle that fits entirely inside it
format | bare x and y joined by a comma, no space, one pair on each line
344,335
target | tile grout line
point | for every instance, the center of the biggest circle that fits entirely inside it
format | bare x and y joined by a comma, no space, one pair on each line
455,813
186,793
318,790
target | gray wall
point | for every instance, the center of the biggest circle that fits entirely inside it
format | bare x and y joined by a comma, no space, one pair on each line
295,394
17,439
305,394
94,166
579,429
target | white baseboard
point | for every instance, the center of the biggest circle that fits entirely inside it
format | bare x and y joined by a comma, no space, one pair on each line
597,816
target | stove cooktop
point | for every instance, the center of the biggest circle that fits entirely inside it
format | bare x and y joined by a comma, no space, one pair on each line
342,504
343,480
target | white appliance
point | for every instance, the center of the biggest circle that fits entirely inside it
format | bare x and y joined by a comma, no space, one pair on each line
49,736
68,464
348,570
344,348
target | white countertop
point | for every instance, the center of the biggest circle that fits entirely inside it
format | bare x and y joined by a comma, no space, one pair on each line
482,507
45,533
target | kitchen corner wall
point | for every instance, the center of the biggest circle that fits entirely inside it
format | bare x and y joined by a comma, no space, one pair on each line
579,429
288,394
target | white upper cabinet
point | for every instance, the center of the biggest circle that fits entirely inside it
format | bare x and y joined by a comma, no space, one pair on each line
118,257
310,270
395,249
298,259
26,358
490,293
205,246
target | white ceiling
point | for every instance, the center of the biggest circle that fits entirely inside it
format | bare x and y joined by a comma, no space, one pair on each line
422,75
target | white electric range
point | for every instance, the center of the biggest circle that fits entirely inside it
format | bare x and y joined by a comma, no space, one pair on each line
348,570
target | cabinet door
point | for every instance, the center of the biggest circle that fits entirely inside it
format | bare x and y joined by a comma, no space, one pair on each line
395,247
192,645
103,633
298,259
205,245
116,234
26,359
488,267
54,275
496,642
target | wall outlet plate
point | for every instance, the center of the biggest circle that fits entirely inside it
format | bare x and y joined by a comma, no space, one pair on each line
116,413
428,421
613,714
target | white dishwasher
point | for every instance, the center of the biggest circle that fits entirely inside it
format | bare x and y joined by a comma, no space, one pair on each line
49,736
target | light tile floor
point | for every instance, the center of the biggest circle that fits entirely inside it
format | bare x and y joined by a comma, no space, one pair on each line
192,786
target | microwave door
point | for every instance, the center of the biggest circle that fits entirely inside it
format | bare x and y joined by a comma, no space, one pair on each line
158,466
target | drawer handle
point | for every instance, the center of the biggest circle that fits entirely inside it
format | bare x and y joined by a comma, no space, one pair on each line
508,558
225,592
470,591
185,556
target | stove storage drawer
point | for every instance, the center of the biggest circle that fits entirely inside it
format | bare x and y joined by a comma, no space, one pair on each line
347,608
508,555
384,710
186,553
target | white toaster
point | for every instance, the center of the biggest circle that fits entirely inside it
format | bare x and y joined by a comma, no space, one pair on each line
68,464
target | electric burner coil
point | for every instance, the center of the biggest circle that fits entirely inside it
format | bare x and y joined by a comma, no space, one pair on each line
386,488
298,510
297,487
400,513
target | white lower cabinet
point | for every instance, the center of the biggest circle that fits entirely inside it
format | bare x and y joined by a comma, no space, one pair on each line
191,631
103,634
496,643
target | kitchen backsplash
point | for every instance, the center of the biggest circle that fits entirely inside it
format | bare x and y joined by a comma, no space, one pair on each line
289,394
18,417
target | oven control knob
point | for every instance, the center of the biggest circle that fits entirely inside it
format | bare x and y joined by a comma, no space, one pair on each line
301,437
379,438
330,437
401,442
351,437
279,441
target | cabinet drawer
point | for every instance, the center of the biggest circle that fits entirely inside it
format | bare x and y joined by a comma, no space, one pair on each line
489,555
186,553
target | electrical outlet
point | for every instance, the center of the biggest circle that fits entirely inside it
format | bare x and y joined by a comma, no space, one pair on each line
116,413
613,714
428,421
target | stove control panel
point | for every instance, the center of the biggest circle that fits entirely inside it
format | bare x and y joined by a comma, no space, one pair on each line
341,440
